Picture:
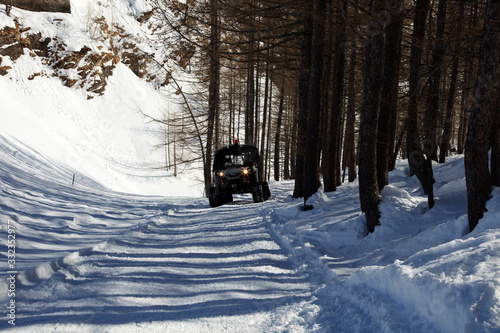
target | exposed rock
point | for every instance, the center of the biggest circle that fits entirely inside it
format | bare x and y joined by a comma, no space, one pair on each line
145,16
3,69
67,81
136,62
87,68
9,35
72,60
63,6
32,76
13,43
13,51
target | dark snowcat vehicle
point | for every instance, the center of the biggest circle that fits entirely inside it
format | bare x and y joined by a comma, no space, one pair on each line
237,169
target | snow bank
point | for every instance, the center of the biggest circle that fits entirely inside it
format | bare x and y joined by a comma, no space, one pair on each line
424,260
452,279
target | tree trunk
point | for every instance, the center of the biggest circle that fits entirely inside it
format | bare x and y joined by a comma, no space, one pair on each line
326,85
495,152
250,98
231,109
350,137
374,62
450,105
264,119
8,7
449,115
312,182
305,69
332,174
286,161
268,140
419,164
257,104
213,91
398,145
397,9
389,103
278,133
431,117
293,148
484,114
464,106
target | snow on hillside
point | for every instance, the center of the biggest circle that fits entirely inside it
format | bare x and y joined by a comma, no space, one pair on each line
105,137
102,256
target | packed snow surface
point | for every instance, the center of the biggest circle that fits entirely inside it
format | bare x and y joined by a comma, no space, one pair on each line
128,247
92,259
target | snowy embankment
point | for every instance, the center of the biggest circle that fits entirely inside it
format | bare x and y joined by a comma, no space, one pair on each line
99,134
425,260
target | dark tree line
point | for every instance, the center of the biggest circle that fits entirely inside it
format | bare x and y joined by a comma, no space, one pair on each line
332,87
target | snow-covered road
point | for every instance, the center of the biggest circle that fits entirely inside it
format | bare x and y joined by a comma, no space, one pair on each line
188,268
88,259
111,261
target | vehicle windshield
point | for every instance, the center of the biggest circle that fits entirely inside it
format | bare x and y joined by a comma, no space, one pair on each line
236,160
232,157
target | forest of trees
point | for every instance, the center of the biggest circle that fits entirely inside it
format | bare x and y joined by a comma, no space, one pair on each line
336,87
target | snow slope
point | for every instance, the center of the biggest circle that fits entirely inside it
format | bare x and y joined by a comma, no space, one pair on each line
105,138
424,260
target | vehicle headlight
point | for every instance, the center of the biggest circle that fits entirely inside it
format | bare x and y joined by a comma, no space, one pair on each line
246,172
221,174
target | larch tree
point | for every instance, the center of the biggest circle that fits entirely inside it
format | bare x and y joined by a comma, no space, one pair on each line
452,91
374,71
303,112
434,82
350,159
483,115
420,164
213,89
334,138
311,170
278,133
390,90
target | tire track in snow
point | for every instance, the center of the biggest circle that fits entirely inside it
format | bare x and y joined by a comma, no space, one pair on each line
342,308
191,264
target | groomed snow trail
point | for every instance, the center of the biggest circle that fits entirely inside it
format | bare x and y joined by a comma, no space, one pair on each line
90,259
94,260
175,271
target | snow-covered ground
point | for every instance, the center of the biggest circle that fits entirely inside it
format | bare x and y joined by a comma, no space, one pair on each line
89,259
129,248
